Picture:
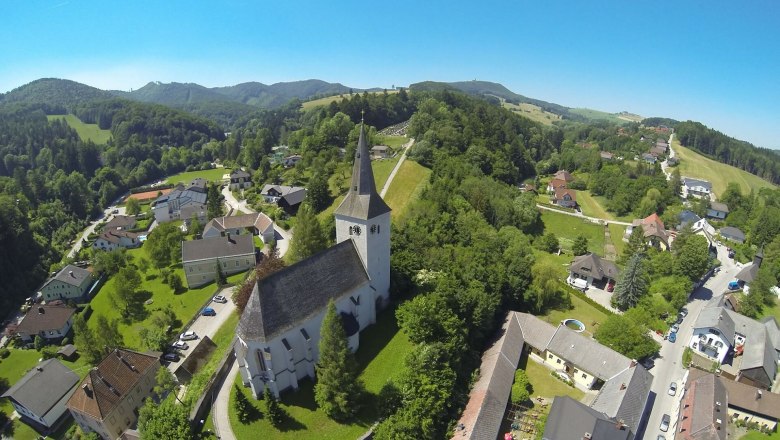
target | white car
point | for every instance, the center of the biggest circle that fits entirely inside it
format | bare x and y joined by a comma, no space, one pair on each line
180,345
673,388
188,336
220,299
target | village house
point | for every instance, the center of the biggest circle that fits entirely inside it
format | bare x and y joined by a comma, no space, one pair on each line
695,188
703,413
50,322
120,223
381,152
71,282
288,198
199,185
717,210
606,155
195,211
593,269
40,396
733,234
565,198
291,161
199,258
734,401
653,230
649,158
750,271
755,345
279,331
108,399
555,184
254,224
115,238
564,175
239,179
169,207
623,385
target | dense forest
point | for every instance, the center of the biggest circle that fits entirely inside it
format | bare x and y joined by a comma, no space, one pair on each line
762,162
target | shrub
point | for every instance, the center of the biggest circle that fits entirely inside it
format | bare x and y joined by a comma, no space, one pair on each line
4,353
65,341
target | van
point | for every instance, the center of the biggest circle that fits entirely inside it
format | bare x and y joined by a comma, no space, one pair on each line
579,283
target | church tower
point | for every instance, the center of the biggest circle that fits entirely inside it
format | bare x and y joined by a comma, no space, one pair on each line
365,218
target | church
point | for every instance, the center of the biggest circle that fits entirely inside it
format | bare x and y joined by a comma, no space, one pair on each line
279,331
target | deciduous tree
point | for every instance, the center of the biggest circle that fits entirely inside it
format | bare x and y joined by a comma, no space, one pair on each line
693,258
626,337
214,205
164,245
132,206
308,238
166,421
126,291
580,246
85,339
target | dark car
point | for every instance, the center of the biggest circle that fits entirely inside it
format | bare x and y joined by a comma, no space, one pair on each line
665,421
171,357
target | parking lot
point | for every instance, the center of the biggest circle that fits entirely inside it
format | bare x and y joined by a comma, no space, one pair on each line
207,325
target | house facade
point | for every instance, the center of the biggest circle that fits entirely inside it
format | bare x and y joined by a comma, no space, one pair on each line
108,399
733,234
288,198
40,396
240,179
696,188
50,322
380,151
254,224
653,230
592,268
279,331
234,254
718,210
566,198
71,282
169,206
114,239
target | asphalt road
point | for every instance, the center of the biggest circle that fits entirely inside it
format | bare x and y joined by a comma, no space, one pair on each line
668,366
91,228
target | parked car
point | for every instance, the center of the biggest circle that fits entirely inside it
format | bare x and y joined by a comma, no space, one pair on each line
188,336
220,299
610,286
680,318
665,420
208,311
672,337
673,388
180,345
684,312
661,437
731,253
171,357
675,328
734,285
116,211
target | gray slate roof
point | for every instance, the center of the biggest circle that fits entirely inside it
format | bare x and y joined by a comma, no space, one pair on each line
300,291
70,274
731,232
748,273
587,353
592,265
362,200
536,333
185,196
716,317
687,181
43,386
687,217
571,420
238,173
217,247
624,396
718,206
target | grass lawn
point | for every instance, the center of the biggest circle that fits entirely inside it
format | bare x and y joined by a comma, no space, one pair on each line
544,384
591,207
693,164
382,169
394,142
185,305
568,228
407,186
532,112
772,311
86,131
381,354
581,310
597,115
753,435
214,175
616,234
222,339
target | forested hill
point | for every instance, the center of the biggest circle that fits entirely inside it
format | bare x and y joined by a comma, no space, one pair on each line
55,95
762,162
488,89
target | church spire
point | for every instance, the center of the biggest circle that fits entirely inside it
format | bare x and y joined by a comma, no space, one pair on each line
362,200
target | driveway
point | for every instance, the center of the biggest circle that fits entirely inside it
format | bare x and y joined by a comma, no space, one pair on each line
406,147
106,214
668,366
602,297
208,325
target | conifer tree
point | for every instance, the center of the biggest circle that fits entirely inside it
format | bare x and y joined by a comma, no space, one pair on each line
636,244
272,409
221,279
580,246
632,285
214,207
241,405
338,389
308,238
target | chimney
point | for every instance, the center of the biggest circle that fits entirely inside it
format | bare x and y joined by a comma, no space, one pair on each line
586,436
229,239
622,386
633,363
718,423
87,390
758,394
41,310
39,368
71,274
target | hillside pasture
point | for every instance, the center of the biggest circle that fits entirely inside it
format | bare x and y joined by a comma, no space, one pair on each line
693,164
407,186
86,131
532,112
213,175
597,115
567,228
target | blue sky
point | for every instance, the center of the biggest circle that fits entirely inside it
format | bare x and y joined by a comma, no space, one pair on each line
712,61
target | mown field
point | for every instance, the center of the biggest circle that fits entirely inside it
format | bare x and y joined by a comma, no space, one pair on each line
213,175
693,164
407,186
567,228
597,115
86,131
532,112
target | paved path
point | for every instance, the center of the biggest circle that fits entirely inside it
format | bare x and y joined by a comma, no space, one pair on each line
397,167
106,214
584,217
665,164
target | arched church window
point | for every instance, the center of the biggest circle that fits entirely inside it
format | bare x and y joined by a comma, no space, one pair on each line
350,230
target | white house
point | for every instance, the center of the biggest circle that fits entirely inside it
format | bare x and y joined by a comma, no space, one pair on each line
169,206
254,224
234,254
696,188
113,239
71,282
40,396
240,179
279,331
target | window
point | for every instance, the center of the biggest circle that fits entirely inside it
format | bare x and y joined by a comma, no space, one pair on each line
584,376
558,361
236,263
549,356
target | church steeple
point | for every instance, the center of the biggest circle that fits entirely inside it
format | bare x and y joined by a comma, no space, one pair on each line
362,200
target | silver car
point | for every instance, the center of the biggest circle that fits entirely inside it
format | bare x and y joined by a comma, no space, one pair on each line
188,336
673,388
665,420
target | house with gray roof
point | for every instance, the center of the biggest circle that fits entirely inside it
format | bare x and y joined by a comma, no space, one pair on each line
749,273
169,207
719,331
732,233
39,397
288,198
279,330
572,420
256,223
200,258
240,179
593,269
718,210
71,282
697,188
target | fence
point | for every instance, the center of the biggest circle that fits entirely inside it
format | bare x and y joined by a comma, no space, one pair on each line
206,400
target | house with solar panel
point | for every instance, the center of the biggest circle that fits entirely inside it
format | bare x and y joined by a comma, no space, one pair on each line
279,330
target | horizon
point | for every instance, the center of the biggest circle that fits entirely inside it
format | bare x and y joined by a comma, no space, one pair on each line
714,65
